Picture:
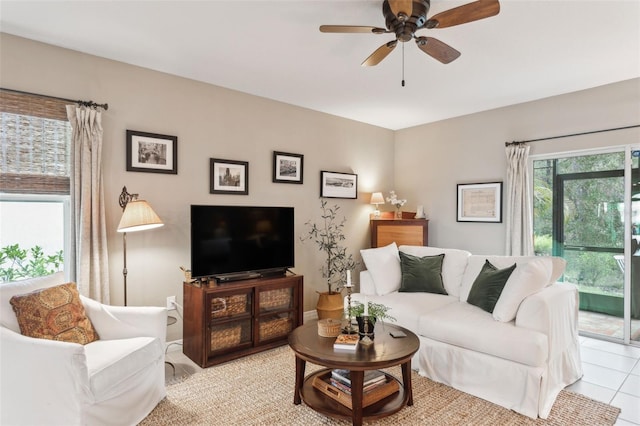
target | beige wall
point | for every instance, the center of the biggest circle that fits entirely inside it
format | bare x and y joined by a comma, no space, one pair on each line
431,159
210,122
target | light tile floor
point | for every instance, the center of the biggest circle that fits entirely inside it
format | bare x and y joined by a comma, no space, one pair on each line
611,374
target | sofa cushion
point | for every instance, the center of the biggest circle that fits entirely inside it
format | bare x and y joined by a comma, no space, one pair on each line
8,290
54,313
524,281
453,265
421,274
114,365
488,285
384,265
407,308
476,262
470,327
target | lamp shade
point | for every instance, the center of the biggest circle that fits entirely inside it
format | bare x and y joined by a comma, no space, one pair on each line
377,198
138,216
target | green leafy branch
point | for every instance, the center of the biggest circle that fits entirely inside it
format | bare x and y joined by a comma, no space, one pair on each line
17,263
328,236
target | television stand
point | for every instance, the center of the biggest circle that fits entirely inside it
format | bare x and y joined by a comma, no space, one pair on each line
224,322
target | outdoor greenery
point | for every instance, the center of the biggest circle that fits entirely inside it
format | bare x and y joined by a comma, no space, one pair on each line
592,206
17,263
329,237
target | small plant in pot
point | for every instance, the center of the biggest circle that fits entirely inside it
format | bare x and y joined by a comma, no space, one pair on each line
376,311
328,235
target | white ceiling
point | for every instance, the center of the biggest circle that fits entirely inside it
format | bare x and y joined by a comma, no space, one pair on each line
533,49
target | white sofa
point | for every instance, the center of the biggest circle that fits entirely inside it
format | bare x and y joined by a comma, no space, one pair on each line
116,380
520,363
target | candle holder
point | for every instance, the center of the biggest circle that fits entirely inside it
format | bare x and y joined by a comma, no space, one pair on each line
349,328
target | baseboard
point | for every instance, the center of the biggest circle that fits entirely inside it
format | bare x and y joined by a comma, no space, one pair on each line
310,316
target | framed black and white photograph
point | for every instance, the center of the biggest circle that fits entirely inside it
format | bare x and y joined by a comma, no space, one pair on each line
287,167
338,185
152,153
229,177
480,202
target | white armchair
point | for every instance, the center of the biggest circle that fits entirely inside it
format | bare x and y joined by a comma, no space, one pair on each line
116,380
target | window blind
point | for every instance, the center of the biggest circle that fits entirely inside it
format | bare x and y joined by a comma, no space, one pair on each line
35,144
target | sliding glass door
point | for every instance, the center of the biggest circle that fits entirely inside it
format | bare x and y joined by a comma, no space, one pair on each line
584,211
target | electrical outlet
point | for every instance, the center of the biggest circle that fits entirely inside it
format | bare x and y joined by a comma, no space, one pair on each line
171,302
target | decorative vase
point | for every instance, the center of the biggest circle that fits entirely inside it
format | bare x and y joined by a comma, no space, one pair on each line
398,213
368,330
330,305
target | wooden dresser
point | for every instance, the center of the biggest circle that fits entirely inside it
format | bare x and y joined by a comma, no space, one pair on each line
412,232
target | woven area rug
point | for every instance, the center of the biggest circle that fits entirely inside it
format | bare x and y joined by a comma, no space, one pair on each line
258,390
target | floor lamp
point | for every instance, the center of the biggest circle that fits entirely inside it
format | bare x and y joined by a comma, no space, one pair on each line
137,216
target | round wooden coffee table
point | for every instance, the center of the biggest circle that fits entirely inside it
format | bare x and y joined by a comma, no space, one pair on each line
386,352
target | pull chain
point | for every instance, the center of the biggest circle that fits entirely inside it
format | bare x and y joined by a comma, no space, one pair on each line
402,64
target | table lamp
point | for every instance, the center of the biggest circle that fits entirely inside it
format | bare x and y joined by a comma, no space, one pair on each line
377,198
138,216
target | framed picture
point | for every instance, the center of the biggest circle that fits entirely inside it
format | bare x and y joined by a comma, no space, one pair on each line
287,167
152,153
338,185
229,177
480,202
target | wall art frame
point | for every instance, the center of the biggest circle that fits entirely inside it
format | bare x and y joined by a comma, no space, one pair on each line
288,167
338,185
152,152
479,202
229,177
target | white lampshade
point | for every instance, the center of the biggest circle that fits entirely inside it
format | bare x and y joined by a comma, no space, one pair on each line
377,198
138,216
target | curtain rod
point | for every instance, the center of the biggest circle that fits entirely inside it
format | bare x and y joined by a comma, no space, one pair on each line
574,134
90,104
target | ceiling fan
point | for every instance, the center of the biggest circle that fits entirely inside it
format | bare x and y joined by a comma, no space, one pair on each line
404,17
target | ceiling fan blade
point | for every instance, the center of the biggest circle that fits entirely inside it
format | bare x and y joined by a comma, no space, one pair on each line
351,29
401,6
437,49
380,53
466,13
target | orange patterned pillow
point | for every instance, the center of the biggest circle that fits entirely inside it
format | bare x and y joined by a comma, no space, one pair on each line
54,313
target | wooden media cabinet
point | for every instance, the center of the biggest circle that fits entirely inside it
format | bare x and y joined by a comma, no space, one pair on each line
227,321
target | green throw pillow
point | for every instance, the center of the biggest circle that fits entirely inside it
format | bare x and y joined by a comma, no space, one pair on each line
421,274
488,285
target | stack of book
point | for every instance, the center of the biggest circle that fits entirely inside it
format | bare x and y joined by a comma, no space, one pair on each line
346,341
342,380
336,384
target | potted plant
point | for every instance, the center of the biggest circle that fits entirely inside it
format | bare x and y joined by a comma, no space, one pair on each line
328,235
376,311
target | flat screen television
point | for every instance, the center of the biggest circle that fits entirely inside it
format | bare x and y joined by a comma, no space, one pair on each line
228,240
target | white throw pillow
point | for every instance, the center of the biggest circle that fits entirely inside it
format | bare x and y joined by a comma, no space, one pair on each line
526,280
384,265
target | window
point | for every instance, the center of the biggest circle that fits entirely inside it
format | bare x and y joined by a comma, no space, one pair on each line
35,169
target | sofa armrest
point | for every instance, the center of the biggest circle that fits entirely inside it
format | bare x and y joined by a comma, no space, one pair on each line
120,322
39,370
366,283
554,312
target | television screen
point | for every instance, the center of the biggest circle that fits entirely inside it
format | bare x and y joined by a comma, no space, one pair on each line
233,239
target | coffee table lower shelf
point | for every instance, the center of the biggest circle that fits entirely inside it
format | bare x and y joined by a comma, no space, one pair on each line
323,404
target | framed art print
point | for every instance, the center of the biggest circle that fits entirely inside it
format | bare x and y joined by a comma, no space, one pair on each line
229,177
287,167
152,153
480,202
338,185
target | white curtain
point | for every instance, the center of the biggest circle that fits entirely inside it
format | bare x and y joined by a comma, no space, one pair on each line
518,202
87,205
